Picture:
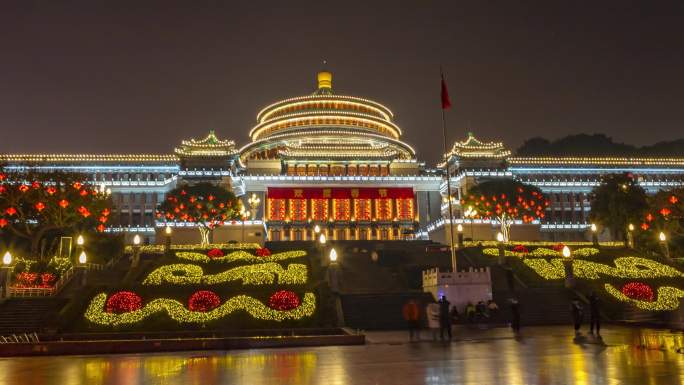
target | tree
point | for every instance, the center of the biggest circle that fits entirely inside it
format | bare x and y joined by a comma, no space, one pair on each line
665,213
32,204
617,202
505,200
204,204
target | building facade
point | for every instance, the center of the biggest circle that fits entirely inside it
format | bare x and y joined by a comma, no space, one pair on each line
338,164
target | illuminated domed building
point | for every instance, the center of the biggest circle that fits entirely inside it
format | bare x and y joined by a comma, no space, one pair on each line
337,164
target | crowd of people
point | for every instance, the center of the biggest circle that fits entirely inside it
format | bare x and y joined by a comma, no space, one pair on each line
441,316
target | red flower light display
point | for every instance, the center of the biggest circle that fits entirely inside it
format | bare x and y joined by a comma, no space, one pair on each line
263,252
63,203
77,185
3,222
215,253
11,211
123,302
520,249
26,279
284,300
47,280
639,291
101,228
40,206
24,188
51,190
203,300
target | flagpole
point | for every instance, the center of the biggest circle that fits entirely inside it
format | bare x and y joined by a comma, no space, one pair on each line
448,183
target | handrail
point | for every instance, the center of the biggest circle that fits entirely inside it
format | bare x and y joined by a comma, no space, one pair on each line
43,291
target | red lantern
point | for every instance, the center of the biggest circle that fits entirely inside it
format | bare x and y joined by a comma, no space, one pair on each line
77,185
23,188
101,228
63,203
673,199
665,211
11,211
40,206
3,222
51,190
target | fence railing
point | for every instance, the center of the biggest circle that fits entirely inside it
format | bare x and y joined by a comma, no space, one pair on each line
42,291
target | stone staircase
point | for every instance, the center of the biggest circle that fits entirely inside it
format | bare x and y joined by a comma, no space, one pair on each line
27,315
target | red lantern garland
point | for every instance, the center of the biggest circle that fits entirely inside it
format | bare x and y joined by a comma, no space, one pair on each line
123,302
203,300
284,300
639,291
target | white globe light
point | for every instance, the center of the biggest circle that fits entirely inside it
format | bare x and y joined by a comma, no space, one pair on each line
80,240
593,227
82,258
662,237
136,239
317,229
333,255
566,252
321,239
500,237
168,230
459,228
7,258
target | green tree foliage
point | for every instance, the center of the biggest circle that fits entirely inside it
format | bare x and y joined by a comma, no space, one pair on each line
34,204
505,200
204,204
665,213
617,202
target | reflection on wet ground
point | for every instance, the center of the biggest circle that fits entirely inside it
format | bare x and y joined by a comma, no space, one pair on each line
548,355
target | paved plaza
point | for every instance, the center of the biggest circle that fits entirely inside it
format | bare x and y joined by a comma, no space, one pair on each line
543,355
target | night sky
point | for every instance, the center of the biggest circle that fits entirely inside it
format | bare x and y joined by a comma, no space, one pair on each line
123,77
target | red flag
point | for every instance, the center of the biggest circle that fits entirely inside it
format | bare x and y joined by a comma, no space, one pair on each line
446,103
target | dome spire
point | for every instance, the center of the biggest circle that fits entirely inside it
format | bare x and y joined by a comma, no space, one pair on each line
325,78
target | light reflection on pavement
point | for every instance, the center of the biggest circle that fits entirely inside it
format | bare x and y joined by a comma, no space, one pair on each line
543,355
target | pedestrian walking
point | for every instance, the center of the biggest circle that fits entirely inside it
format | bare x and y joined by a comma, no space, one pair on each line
412,317
594,316
432,313
515,315
444,318
577,314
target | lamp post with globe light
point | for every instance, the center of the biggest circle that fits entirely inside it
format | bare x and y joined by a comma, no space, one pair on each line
663,242
502,250
5,273
167,240
136,251
594,235
567,264
459,228
630,236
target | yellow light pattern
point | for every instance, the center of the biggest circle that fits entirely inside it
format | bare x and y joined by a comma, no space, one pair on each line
542,252
159,249
259,274
625,267
178,312
241,255
668,298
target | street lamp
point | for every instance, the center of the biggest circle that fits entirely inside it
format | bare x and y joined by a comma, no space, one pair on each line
567,264
664,245
7,258
243,216
83,258
136,251
5,275
333,255
594,235
630,236
502,251
80,241
167,239
253,204
459,229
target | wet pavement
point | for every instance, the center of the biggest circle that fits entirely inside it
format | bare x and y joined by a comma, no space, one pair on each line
542,355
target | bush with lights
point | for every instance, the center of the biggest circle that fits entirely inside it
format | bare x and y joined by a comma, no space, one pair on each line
258,274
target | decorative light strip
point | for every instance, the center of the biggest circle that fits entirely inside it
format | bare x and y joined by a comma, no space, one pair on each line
390,127
88,157
314,112
158,249
309,132
320,98
340,178
178,312
597,160
205,173
259,274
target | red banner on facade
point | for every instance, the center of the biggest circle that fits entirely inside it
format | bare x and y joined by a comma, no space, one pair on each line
339,193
